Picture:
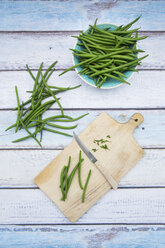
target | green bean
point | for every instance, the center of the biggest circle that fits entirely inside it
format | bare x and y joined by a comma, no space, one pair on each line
133,69
26,137
36,82
41,131
58,116
68,88
18,106
25,103
30,134
85,187
70,178
81,63
38,112
118,67
106,29
84,55
126,27
54,131
55,119
91,41
56,99
69,161
31,74
124,32
66,177
40,87
69,120
86,46
119,28
62,182
101,83
113,36
54,125
120,74
114,77
49,68
91,32
21,111
27,110
79,171
119,61
10,127
33,110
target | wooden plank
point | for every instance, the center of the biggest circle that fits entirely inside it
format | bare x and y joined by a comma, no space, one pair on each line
26,164
17,49
31,206
116,236
150,134
146,91
76,15
19,167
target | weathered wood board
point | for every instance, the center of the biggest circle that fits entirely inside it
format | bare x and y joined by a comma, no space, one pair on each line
122,155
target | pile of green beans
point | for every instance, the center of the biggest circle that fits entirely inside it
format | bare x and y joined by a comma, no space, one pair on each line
65,180
106,54
30,113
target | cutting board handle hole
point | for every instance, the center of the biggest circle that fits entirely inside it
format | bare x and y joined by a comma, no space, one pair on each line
135,121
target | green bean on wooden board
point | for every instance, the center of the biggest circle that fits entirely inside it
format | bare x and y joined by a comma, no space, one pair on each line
85,187
70,178
30,113
65,180
107,50
79,171
62,183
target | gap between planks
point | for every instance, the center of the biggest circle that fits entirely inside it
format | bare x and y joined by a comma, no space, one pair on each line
62,69
86,224
68,32
59,149
96,109
120,187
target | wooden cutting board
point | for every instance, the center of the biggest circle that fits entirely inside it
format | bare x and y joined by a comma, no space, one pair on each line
123,154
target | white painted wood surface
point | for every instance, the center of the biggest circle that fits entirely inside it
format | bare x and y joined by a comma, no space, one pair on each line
21,48
31,206
83,236
150,134
146,91
76,15
26,164
19,164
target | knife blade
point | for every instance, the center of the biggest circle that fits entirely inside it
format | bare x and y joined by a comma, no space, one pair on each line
94,160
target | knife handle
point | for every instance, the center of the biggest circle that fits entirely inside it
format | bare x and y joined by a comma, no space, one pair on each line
105,173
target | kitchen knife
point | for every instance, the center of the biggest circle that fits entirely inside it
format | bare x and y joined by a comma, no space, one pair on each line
92,158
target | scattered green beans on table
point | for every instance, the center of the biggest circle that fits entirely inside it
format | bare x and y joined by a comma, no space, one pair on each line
107,53
30,113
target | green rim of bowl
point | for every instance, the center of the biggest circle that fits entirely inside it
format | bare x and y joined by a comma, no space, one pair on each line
110,83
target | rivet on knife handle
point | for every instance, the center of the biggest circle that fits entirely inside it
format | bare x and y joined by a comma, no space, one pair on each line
109,178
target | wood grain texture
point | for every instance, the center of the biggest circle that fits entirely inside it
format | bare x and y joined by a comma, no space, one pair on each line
146,91
17,49
150,134
19,167
76,15
84,236
122,155
31,206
